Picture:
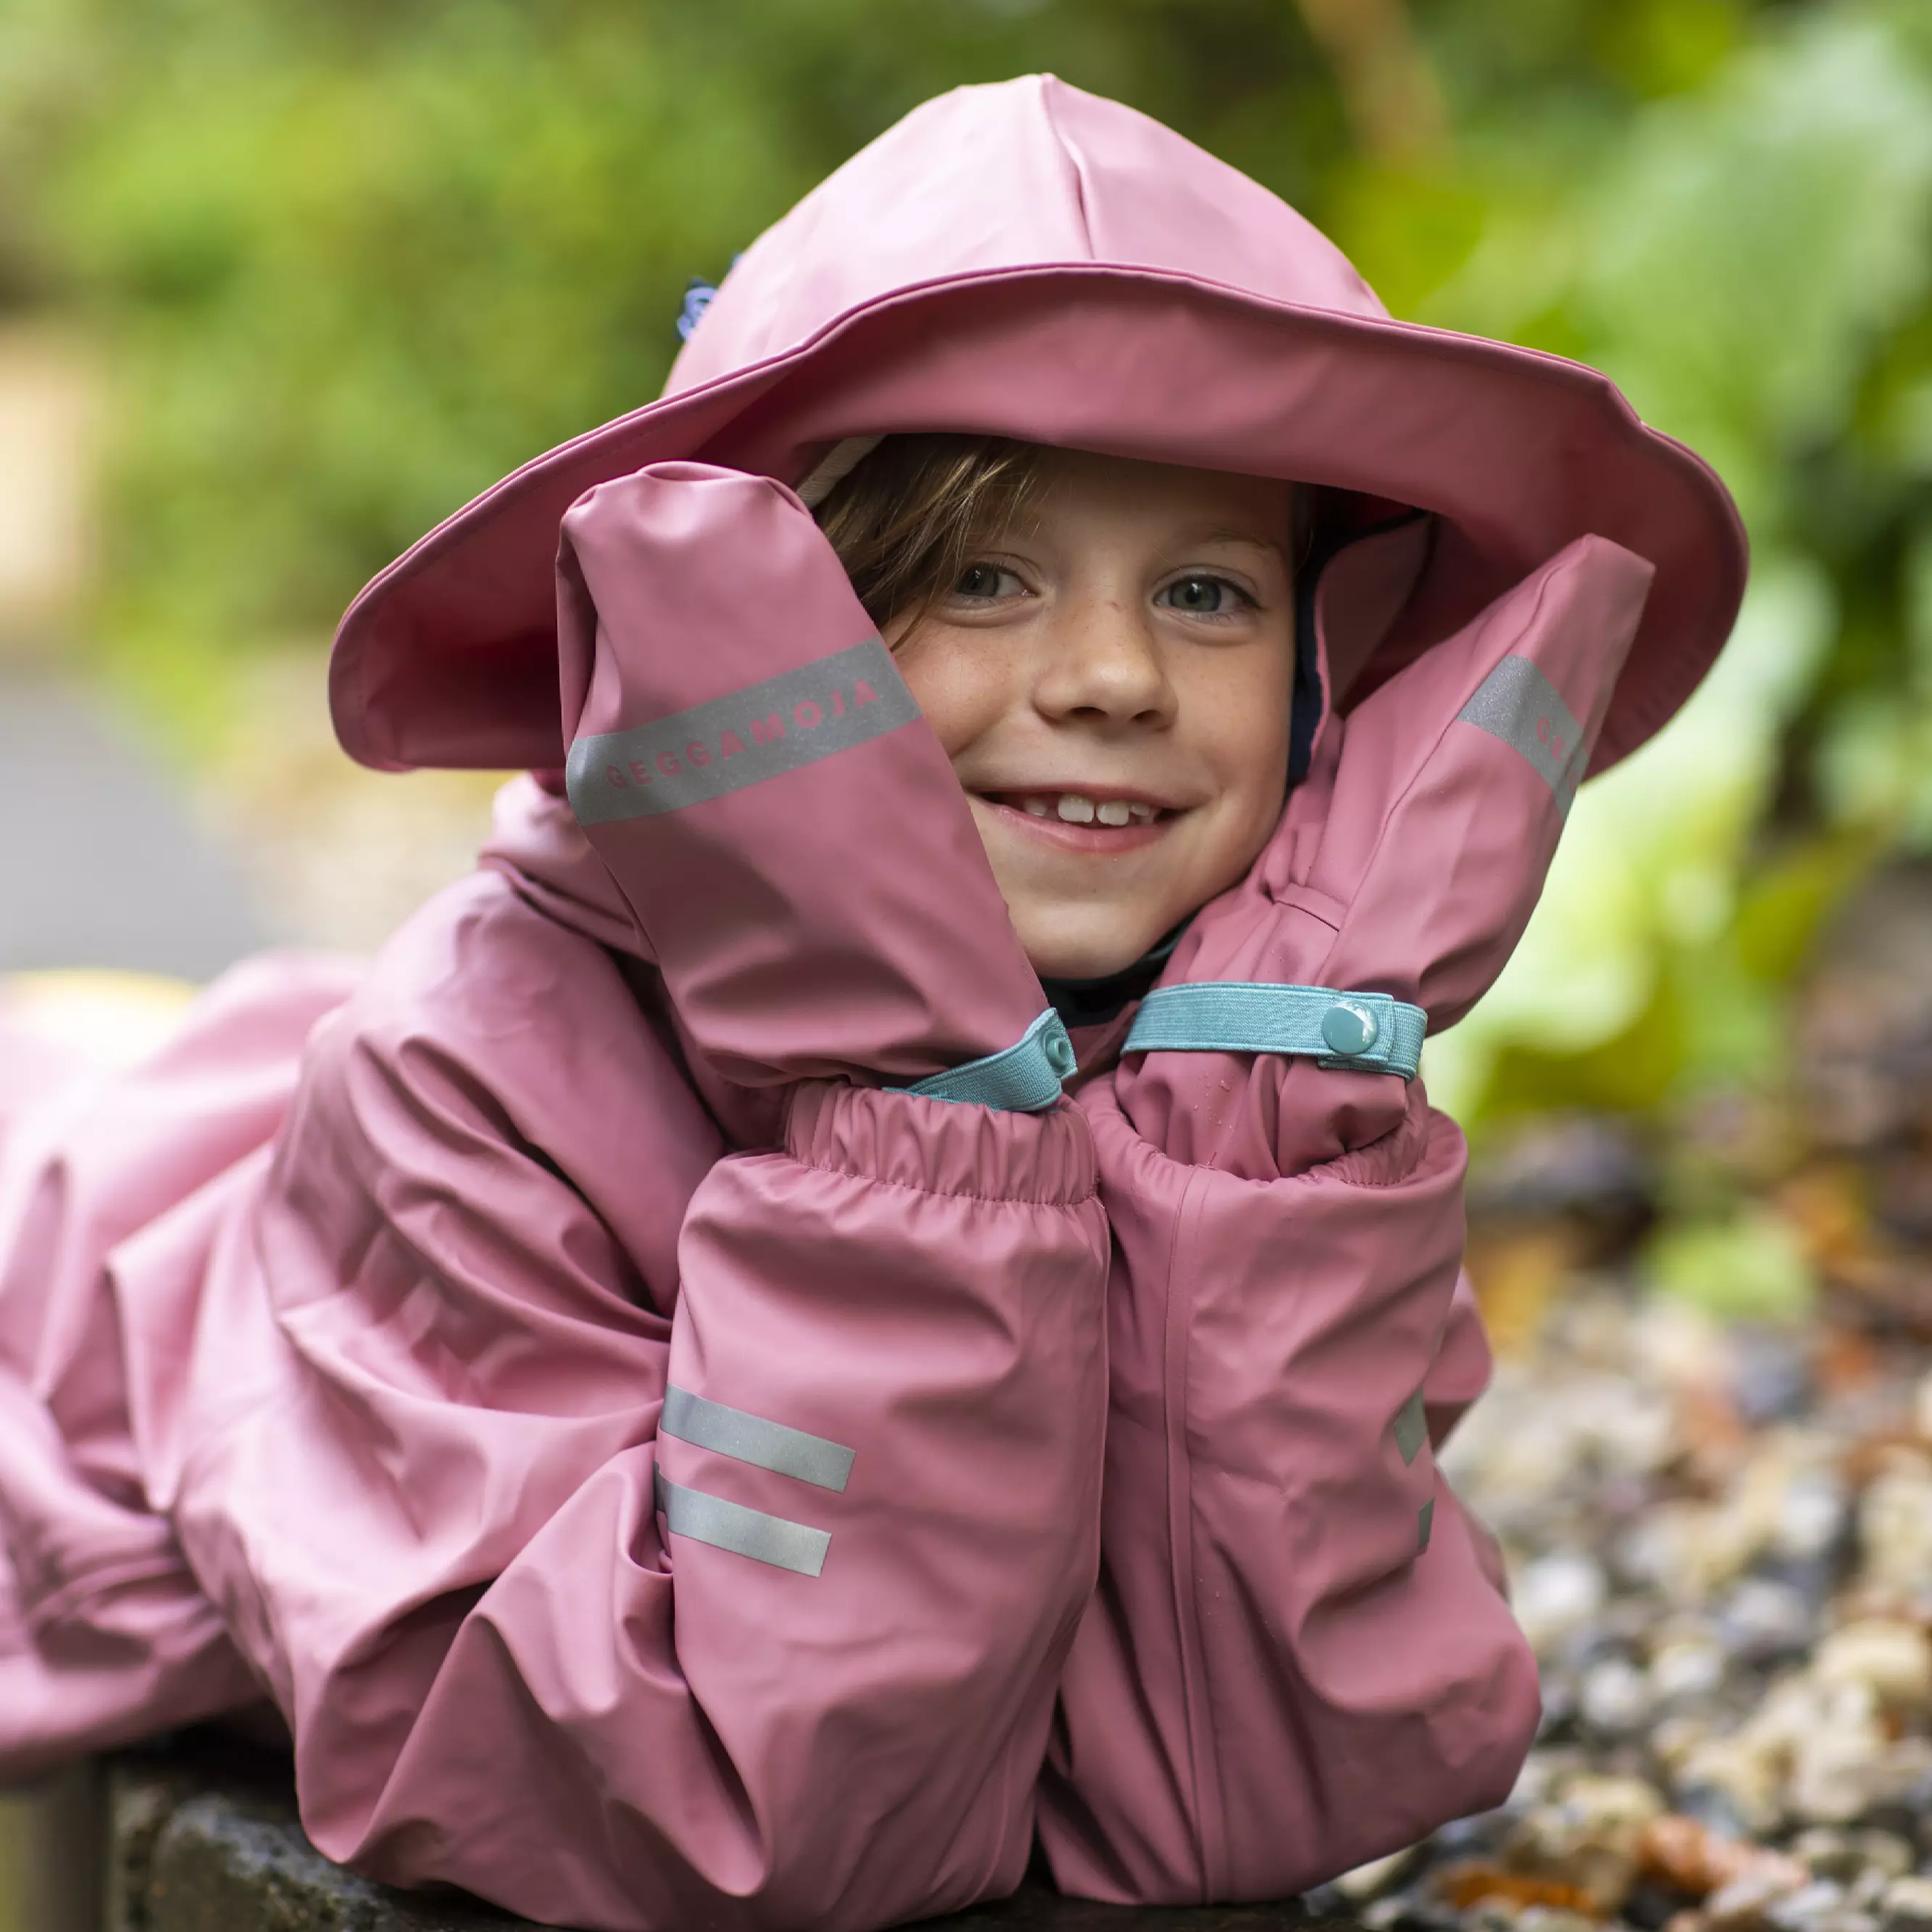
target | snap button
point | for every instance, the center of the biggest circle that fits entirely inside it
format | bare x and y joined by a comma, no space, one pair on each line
1348,1029
1060,1054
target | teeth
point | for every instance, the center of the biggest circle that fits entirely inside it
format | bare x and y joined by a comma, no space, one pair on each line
1076,809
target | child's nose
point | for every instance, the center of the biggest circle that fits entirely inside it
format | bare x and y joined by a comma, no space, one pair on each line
1103,661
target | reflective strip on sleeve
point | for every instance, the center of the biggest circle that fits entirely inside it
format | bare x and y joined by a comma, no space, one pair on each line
1410,1428
1518,704
777,725
751,1438
745,1532
1022,1079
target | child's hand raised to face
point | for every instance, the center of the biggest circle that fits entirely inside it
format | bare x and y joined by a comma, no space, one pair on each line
1112,677
749,763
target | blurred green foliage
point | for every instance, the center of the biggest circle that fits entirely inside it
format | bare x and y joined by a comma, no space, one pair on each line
353,263
350,262
1751,258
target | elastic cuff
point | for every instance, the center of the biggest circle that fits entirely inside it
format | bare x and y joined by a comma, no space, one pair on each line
1023,1078
905,1140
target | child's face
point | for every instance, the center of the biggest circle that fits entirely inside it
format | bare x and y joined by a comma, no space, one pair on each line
1111,680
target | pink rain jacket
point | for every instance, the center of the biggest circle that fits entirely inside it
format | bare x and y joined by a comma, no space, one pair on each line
665,1474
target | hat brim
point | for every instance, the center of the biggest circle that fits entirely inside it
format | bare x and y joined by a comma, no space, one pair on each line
448,657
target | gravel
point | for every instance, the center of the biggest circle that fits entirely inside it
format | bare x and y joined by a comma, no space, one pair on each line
1720,1539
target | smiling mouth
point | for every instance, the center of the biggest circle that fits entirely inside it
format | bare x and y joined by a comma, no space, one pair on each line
1074,808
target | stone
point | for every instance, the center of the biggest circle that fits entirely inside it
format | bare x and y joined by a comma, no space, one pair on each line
1810,1907
1545,1772
1403,1912
1763,1618
1365,1881
1852,1767
1614,1696
1747,1769
1890,1658
1616,1810
1743,1903
1473,1882
1590,1839
1885,1853
1556,1594
1906,1904
1687,1667
1864,1862
1811,1514
1691,1859
1553,1847
1895,1524
1549,1919
1866,1890
1828,1853
1838,1770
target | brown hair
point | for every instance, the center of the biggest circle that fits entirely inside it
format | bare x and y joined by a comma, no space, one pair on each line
907,520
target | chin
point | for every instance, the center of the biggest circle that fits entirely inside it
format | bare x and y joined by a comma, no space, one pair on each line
1095,958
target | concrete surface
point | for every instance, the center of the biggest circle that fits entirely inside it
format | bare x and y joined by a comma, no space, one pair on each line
100,863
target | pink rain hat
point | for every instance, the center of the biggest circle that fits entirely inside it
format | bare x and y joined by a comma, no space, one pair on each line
1028,260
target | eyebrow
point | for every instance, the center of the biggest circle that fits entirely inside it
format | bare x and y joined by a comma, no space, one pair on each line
1233,533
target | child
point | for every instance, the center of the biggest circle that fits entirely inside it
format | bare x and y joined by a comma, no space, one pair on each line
685,1418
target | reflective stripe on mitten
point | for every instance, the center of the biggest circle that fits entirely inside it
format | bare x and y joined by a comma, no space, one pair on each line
1407,864
787,832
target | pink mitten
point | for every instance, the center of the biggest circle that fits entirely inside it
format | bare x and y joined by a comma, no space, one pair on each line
787,832
1403,872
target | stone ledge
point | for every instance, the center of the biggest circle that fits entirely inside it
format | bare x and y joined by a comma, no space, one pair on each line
209,1842
204,1838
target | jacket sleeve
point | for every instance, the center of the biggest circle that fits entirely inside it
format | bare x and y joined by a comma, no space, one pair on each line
736,1594
1296,1659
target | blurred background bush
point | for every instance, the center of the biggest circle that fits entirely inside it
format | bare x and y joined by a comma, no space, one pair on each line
334,268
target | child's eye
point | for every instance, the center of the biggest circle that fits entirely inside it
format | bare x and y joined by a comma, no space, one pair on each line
983,582
1202,596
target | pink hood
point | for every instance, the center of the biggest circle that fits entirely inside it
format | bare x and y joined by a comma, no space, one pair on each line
1030,260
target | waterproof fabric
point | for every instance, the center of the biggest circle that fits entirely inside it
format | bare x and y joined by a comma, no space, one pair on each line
1027,259
362,1411
803,926
660,1473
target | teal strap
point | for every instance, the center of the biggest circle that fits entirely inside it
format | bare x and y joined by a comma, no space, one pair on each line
1024,1079
1367,1033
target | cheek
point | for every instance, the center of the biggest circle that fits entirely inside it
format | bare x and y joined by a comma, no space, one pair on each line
1242,727
961,682
1265,763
